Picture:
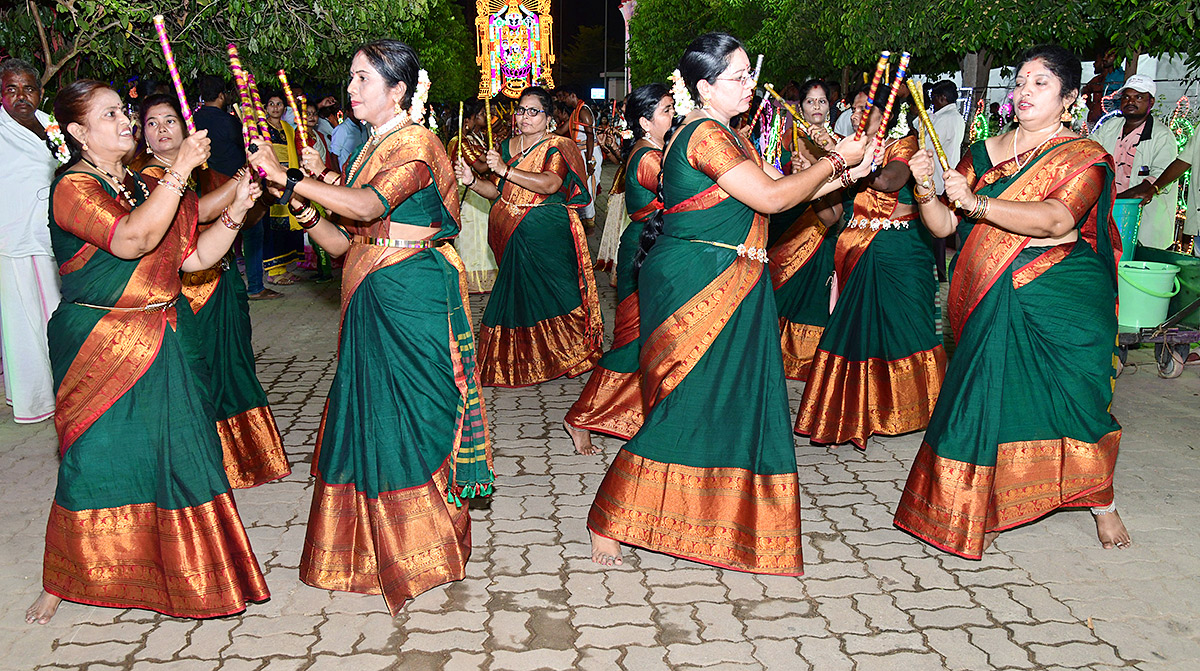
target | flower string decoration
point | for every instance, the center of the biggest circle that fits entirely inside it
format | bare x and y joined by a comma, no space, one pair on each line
58,141
420,96
683,100
901,129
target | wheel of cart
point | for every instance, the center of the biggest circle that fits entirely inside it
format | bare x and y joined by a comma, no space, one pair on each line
1171,342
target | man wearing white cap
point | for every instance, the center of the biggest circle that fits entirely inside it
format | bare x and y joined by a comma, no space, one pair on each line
1142,149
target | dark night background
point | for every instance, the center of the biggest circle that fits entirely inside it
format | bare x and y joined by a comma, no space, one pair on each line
579,39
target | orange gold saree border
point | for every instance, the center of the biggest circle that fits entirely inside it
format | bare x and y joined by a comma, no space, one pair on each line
519,357
726,517
194,562
799,343
952,504
798,245
611,403
399,545
849,401
252,450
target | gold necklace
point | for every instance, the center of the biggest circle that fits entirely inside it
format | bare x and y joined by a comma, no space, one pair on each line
120,186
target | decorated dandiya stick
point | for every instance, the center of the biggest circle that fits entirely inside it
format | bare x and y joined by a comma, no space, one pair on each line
919,103
173,69
791,110
301,124
260,113
487,108
758,112
249,125
901,72
461,137
304,113
879,68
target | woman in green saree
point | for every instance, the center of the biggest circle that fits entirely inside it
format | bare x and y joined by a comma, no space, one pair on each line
142,514
611,401
404,435
250,441
802,259
879,364
711,475
1023,427
542,319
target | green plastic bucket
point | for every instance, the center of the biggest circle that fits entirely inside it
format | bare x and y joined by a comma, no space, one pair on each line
1127,212
1189,280
1145,289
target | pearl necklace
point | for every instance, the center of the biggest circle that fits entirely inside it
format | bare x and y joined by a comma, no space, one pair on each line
377,136
120,185
1017,159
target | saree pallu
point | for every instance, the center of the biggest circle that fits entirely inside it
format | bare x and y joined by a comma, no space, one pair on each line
612,401
142,514
711,475
472,241
801,265
616,220
251,446
542,320
1024,425
880,363
404,433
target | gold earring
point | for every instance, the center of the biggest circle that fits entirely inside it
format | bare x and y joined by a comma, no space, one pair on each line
85,147
397,107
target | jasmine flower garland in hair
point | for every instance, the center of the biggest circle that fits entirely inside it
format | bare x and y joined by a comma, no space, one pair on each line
57,141
683,100
901,128
420,96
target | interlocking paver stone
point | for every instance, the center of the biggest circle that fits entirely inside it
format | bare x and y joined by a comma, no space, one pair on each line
872,597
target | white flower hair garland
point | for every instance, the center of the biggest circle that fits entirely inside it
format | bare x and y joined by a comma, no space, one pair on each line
61,153
683,100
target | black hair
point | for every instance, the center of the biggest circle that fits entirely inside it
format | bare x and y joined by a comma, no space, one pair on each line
1062,63
880,103
706,58
641,105
946,89
815,84
268,93
541,94
396,62
25,67
472,107
71,106
211,87
154,101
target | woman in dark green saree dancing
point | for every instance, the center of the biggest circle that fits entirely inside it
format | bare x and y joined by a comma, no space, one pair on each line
1023,426
711,475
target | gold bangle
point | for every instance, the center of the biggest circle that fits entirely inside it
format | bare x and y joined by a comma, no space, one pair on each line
927,198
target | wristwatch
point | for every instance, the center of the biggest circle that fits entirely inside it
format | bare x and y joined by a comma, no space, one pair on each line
294,175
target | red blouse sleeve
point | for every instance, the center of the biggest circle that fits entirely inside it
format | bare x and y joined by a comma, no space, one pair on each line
393,183
1081,192
650,170
712,151
84,209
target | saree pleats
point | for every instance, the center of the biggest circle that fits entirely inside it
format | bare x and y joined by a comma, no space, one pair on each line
801,265
250,440
542,320
1024,428
711,474
612,401
880,363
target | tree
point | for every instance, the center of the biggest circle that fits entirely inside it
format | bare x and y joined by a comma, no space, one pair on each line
313,39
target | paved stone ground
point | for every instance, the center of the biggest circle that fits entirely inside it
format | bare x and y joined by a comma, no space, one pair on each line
1045,597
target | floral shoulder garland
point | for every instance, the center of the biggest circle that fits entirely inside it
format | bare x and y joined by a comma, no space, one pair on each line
57,141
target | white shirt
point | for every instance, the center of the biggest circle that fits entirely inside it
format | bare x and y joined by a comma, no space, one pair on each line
1191,154
28,169
951,128
844,124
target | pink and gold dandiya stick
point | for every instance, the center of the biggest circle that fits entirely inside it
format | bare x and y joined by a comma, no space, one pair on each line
249,125
260,113
173,70
301,123
879,68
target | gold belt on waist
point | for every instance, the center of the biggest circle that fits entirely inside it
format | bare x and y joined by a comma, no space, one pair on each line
752,253
402,244
153,307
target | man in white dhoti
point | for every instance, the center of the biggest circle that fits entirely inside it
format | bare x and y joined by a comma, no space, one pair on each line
28,275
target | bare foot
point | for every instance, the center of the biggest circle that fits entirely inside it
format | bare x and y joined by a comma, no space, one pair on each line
42,609
989,538
605,551
582,439
1112,532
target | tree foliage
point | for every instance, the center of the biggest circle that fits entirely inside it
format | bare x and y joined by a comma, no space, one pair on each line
312,39
803,38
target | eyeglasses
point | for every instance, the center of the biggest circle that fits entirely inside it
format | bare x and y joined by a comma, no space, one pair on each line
528,111
744,79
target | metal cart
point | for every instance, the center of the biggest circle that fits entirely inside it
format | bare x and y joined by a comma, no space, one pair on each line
1171,342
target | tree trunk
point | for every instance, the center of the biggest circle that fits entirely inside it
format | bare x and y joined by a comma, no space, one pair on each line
1131,63
846,72
976,70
